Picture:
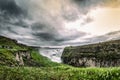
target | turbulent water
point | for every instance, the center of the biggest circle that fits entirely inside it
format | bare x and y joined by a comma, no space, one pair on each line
52,53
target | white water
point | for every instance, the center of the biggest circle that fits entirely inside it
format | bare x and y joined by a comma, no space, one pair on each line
52,54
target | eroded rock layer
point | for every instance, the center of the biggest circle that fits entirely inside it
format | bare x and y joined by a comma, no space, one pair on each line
105,54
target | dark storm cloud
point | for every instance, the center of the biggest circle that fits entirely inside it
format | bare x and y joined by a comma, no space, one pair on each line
11,16
10,7
45,32
45,36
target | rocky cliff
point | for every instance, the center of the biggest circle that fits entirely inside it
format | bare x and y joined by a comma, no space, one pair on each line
16,54
105,54
13,54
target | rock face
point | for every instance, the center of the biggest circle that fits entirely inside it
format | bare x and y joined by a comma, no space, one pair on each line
106,54
19,55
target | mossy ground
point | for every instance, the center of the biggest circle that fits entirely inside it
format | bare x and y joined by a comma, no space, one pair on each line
7,57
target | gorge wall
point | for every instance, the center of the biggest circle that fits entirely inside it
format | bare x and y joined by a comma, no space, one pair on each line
105,54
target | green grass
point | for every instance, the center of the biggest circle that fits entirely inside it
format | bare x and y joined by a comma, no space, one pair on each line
59,73
7,57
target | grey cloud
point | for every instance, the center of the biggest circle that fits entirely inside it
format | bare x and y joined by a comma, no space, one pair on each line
44,26
113,33
45,32
108,36
71,14
46,29
10,7
85,5
98,39
87,20
45,36
88,3
11,16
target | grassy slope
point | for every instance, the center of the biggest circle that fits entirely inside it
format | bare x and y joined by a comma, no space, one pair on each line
7,58
7,50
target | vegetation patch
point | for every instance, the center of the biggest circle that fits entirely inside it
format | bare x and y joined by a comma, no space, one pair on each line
59,73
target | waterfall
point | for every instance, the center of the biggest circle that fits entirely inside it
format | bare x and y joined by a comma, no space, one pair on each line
54,54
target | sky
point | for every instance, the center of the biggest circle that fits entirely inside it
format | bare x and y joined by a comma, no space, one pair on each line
60,22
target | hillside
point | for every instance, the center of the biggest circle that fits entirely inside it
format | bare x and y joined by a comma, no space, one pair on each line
104,54
16,54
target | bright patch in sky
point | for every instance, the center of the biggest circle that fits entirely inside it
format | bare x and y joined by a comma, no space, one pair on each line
105,20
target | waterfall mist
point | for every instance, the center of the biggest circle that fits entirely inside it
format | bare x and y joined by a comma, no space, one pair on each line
54,54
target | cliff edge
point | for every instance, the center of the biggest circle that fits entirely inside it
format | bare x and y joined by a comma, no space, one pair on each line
104,54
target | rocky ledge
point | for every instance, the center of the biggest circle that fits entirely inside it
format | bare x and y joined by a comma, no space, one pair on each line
104,54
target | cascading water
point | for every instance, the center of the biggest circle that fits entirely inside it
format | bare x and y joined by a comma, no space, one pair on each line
54,54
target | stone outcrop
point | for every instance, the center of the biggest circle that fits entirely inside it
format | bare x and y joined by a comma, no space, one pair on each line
19,55
106,54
